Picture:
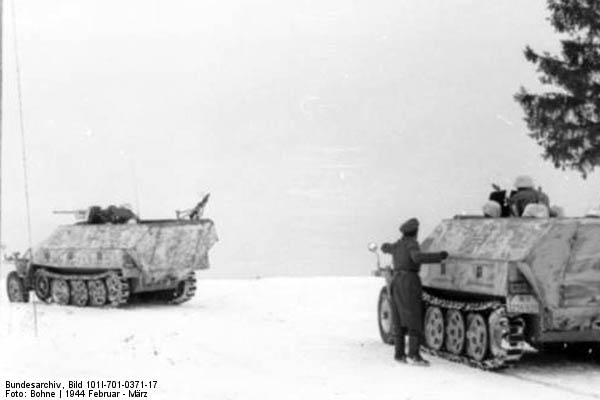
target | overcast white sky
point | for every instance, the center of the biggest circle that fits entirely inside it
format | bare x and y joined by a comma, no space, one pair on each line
317,126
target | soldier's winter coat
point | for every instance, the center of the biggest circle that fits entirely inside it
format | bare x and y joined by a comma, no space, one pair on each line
406,285
523,197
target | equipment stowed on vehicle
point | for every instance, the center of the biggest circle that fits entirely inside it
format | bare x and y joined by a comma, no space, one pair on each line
96,263
510,285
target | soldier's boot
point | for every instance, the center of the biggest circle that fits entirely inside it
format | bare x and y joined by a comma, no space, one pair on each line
414,355
399,354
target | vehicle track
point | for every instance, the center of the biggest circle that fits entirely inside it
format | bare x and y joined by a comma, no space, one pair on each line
501,359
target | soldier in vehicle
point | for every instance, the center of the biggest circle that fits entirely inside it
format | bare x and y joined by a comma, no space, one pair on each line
499,196
111,215
407,291
96,215
525,194
121,214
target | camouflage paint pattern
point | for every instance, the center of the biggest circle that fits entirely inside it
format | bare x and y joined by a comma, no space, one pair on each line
155,251
558,257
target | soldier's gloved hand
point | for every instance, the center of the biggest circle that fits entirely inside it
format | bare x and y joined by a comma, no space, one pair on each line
444,254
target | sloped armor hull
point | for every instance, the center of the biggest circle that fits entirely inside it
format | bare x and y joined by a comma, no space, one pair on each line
509,286
97,264
548,268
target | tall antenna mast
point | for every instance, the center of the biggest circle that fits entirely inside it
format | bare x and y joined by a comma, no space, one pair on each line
21,120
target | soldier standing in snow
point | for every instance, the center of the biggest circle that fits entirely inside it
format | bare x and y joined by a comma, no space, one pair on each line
407,291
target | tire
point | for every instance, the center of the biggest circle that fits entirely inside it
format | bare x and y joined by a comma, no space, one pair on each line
41,286
385,319
15,288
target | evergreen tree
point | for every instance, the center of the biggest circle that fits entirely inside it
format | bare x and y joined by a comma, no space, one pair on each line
565,120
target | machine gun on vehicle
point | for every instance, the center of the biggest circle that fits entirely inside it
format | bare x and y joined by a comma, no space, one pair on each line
194,213
80,215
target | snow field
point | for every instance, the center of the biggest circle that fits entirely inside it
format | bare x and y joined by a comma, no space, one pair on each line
276,338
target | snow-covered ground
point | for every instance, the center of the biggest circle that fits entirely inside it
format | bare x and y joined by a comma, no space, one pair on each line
277,338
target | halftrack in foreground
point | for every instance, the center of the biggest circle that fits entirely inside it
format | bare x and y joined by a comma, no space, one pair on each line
88,264
509,285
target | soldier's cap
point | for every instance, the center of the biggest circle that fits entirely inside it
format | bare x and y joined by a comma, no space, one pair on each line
524,181
409,226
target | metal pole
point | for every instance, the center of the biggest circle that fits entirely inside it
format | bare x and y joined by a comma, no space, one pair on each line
21,119
35,321
135,187
23,148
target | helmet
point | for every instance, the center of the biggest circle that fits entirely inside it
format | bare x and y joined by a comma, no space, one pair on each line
492,209
524,181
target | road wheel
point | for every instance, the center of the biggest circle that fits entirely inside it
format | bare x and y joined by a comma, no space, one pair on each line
455,332
117,289
97,292
41,285
60,291
15,287
499,331
385,317
477,336
79,293
434,328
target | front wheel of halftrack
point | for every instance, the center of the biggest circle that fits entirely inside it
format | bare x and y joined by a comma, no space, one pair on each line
15,287
79,293
97,293
385,317
434,328
41,286
61,294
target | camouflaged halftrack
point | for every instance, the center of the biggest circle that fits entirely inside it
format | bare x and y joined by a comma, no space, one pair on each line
96,264
510,285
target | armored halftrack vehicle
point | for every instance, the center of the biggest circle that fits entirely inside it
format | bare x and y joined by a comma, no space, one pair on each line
91,263
509,285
